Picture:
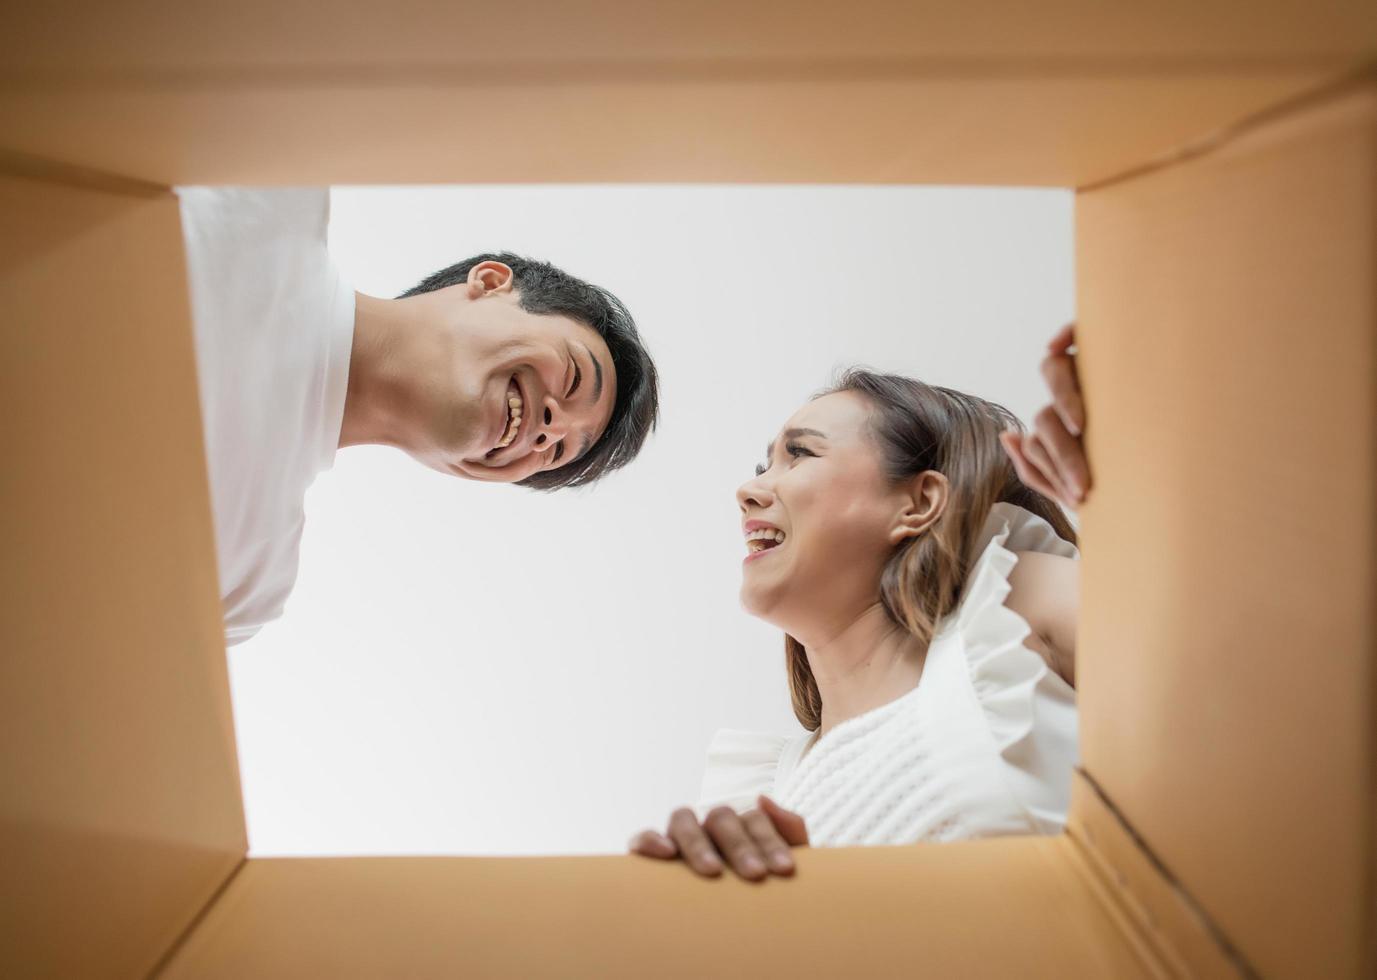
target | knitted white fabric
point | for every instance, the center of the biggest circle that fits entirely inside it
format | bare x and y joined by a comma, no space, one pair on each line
983,746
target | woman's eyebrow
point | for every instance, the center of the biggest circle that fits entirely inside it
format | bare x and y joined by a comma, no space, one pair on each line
794,434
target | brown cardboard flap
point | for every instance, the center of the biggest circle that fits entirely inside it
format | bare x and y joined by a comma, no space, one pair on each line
1001,908
86,36
1061,93
755,123
1228,310
1155,908
121,811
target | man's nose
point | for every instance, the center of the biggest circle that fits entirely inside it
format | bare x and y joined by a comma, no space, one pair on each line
554,423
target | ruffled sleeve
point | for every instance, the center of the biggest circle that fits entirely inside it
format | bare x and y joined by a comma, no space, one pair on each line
1029,710
740,767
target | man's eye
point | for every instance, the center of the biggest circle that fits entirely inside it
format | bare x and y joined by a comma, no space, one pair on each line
578,376
559,450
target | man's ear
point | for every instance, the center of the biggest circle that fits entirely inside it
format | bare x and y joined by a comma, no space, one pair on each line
924,501
489,279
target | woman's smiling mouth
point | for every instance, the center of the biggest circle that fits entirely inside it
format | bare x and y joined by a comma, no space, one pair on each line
761,538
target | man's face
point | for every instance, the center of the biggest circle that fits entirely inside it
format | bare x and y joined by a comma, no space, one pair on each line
529,393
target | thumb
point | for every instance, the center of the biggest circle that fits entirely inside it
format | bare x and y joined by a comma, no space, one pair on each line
790,825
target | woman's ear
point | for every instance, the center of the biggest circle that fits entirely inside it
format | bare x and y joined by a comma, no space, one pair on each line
924,501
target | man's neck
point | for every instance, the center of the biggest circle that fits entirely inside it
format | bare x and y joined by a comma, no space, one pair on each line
866,664
386,365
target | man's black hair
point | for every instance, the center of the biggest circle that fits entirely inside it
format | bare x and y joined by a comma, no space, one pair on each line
543,289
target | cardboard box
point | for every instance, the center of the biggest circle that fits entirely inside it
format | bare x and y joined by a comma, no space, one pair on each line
121,806
1226,158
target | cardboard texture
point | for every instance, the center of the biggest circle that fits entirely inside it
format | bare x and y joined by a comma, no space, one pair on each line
992,92
1229,322
73,40
900,127
120,813
1015,907
1227,258
1152,906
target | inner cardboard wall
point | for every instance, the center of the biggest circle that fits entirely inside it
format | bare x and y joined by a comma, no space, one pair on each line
114,707
1060,93
79,39
1017,907
1228,318
908,124
121,813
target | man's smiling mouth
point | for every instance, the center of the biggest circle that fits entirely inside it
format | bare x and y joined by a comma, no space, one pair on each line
515,404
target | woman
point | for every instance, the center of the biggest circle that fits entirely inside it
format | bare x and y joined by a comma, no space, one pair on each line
928,598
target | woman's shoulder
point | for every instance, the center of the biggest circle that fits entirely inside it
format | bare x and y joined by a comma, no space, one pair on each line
1035,572
1028,709
1045,589
1016,578
1020,574
742,765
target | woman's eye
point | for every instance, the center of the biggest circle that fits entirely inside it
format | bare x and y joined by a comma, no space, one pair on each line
559,451
793,450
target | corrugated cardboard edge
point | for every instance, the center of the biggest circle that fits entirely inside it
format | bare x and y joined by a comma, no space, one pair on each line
172,950
36,168
1130,877
1225,135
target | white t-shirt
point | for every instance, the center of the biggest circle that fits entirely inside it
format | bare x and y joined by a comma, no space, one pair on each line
274,326
984,746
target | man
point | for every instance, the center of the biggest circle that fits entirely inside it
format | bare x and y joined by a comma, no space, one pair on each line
497,368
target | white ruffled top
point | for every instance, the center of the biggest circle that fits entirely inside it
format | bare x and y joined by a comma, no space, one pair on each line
984,745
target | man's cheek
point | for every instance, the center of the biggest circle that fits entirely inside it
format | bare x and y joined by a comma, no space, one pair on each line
531,465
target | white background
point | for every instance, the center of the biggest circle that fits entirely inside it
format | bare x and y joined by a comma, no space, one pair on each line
419,696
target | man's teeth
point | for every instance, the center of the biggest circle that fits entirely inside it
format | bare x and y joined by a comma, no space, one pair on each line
513,420
762,538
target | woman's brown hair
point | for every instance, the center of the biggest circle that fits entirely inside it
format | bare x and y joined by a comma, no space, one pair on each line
919,428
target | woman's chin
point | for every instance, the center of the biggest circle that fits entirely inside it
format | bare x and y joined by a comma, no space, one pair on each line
759,602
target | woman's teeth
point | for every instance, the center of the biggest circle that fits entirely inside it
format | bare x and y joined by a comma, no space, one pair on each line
763,538
513,418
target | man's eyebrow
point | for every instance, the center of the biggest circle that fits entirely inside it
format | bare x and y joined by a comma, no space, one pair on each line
794,434
597,396
597,374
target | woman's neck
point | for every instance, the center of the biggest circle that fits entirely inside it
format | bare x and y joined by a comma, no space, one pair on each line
868,663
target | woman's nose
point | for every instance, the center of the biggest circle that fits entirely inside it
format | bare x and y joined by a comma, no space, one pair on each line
753,493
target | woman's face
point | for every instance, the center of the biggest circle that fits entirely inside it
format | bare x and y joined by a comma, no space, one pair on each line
820,520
